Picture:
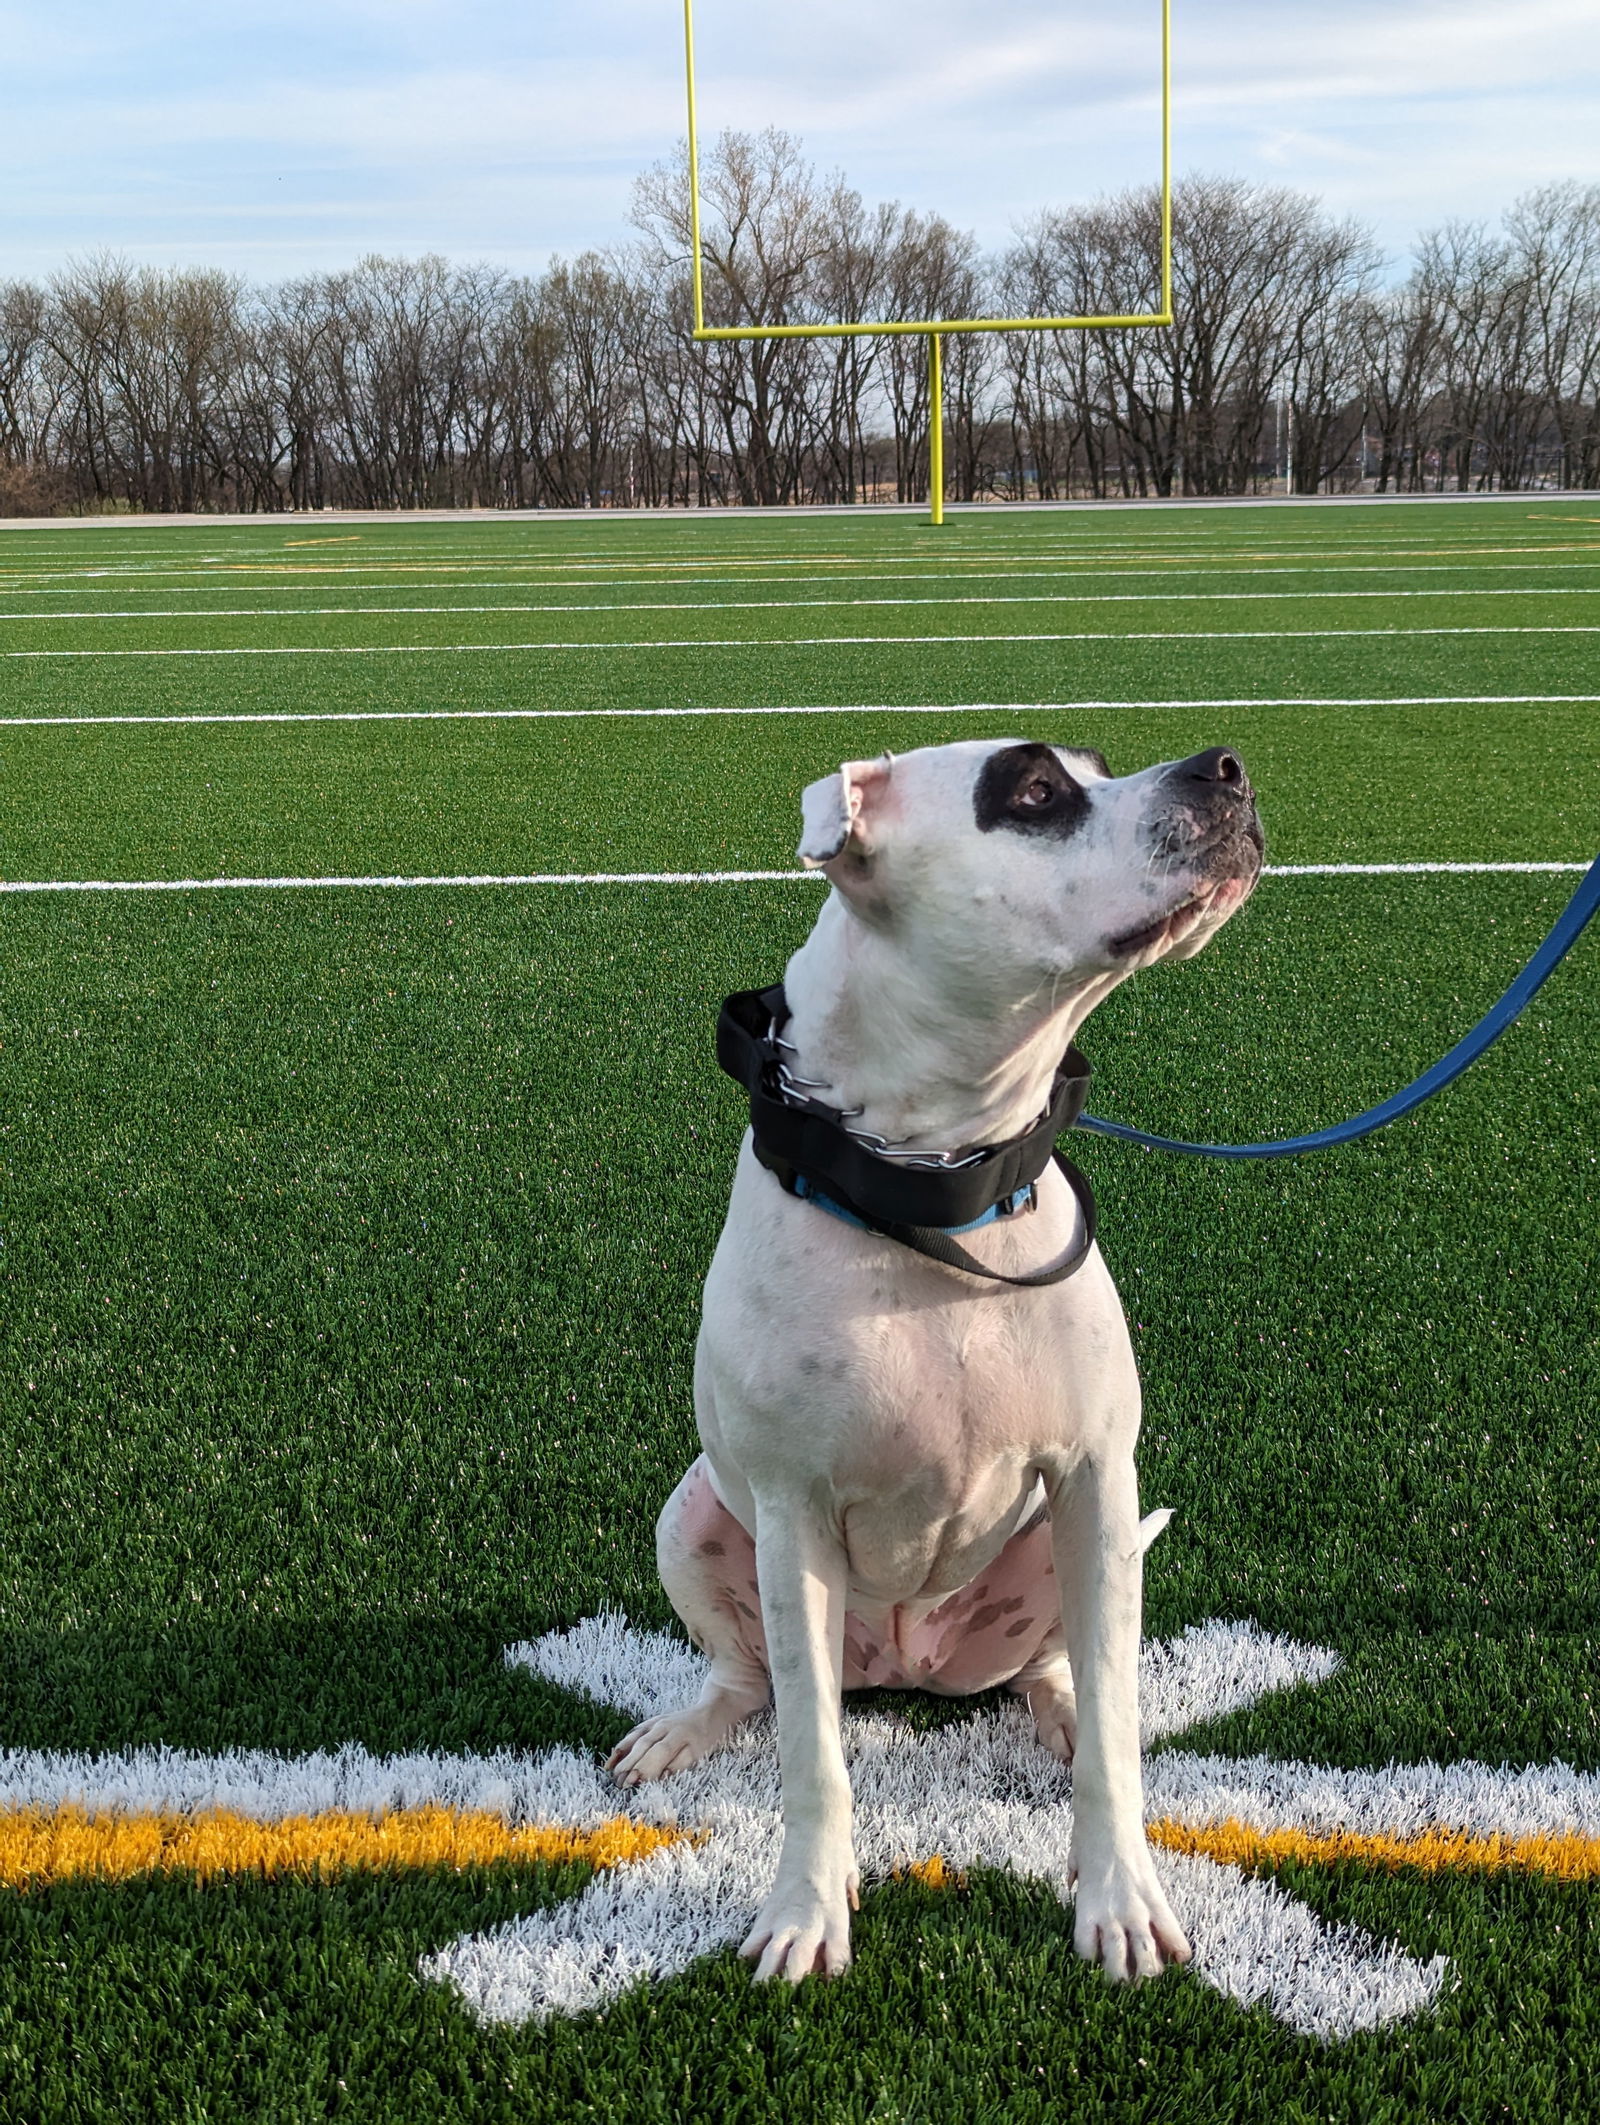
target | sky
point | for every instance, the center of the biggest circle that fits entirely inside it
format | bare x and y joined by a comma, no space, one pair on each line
275,139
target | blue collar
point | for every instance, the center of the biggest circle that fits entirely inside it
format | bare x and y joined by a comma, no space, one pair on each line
1010,1206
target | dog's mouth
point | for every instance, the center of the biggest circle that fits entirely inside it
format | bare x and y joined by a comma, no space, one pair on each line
1223,864
1206,905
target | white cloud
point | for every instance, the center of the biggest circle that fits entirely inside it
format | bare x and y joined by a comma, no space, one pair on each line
292,134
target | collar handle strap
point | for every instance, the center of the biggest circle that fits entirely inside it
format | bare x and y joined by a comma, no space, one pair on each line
938,1246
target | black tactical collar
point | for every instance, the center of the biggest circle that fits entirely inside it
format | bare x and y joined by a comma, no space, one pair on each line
918,1205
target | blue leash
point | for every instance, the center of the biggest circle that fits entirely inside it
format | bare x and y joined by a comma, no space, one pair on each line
1569,928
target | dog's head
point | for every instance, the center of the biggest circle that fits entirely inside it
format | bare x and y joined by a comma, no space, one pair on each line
1037,856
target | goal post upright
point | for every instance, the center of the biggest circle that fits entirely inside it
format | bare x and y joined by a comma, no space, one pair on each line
694,176
935,431
930,328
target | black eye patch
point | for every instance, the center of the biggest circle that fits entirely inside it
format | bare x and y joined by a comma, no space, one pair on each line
1026,789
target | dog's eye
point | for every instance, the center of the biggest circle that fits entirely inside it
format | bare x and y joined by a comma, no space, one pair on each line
1036,795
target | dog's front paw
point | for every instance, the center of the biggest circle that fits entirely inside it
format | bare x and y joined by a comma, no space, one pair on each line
1123,1921
804,1927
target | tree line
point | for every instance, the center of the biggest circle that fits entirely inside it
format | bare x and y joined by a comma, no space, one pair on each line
408,383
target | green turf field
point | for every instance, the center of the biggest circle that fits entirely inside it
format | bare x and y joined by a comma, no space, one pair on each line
351,1238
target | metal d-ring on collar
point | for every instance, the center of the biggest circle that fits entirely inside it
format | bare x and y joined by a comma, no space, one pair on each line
918,1201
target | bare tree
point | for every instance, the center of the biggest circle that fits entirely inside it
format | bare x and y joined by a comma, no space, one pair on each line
1467,279
766,230
143,355
417,381
930,271
1555,239
31,483
1398,339
1335,266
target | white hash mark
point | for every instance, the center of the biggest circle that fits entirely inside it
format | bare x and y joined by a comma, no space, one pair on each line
980,1793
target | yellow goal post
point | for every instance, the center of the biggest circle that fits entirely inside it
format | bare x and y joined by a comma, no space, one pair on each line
931,328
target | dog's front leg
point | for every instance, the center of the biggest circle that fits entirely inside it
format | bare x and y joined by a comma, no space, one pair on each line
1123,1920
805,1923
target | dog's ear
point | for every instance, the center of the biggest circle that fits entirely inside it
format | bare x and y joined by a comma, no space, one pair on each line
838,812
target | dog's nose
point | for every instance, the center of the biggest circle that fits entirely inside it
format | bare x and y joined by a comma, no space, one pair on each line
1215,765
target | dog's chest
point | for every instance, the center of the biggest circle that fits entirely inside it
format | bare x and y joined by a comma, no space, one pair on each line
950,1390
939,1456
911,1412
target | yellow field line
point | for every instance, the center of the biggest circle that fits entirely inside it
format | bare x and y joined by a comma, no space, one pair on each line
42,1846
1185,557
1235,1844
39,1846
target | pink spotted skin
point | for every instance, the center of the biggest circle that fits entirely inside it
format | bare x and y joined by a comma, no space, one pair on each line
986,1634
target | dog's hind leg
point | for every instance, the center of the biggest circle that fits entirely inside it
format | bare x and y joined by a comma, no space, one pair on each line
708,1567
1046,1681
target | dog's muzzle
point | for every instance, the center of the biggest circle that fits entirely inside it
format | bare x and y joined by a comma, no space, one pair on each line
1206,819
1206,844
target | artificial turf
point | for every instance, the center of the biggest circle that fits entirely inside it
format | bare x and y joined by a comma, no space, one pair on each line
292,2001
350,1244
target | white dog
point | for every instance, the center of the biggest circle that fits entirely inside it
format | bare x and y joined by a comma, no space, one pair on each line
913,1476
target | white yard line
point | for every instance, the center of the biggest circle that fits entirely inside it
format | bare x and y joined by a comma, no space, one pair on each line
1205,1671
203,885
767,642
614,580
1032,597
983,1794
818,708
1390,870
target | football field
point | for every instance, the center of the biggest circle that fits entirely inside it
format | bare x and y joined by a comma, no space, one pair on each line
367,892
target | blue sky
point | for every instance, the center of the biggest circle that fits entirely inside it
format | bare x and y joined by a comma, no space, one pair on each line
283,138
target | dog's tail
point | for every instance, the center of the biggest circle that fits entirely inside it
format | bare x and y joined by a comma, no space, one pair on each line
1151,1525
